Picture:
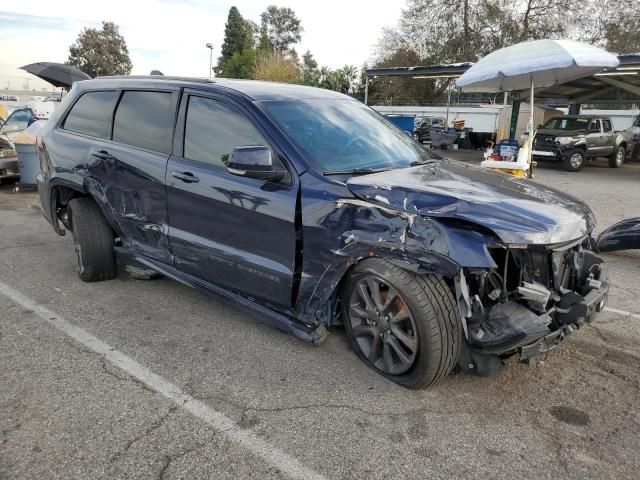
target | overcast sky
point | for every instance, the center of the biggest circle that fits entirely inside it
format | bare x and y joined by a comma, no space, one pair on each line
169,35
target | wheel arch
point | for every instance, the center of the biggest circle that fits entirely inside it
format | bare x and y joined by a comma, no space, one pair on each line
61,192
325,298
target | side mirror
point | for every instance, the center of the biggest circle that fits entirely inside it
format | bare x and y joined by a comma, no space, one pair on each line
539,126
254,162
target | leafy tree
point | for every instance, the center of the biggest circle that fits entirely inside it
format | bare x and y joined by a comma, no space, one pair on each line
341,80
237,59
280,28
309,73
240,65
276,67
614,25
100,52
445,31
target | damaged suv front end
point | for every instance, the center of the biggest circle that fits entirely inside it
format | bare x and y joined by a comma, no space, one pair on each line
534,298
527,275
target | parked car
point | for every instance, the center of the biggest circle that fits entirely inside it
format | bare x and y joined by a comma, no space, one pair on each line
308,208
422,132
572,139
17,121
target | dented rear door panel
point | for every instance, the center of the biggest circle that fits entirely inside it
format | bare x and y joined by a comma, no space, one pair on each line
129,182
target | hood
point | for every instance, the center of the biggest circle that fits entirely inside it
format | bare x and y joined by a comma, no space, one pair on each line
517,210
560,133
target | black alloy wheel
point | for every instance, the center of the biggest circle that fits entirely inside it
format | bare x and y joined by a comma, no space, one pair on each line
383,326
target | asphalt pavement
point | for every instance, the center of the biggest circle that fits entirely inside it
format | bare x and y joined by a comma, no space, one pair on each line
151,379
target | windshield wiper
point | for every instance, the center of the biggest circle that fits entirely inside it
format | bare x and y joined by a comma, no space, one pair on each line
415,163
357,171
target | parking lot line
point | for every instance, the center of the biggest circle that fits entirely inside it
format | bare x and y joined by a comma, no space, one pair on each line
284,462
622,312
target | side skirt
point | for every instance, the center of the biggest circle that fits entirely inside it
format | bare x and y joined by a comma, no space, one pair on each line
314,335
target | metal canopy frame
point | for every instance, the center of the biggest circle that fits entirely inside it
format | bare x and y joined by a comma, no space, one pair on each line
614,86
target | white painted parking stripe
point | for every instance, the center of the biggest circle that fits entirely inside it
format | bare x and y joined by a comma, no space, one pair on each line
622,312
287,464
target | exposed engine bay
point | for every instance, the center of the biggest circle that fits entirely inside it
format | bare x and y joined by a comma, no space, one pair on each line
535,297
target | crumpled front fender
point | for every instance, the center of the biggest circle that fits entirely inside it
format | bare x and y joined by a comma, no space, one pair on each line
411,241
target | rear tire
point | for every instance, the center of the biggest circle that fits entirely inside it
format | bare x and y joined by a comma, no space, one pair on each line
93,239
617,159
423,303
574,160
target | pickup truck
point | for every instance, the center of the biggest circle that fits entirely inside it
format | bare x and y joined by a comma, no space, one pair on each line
422,131
572,139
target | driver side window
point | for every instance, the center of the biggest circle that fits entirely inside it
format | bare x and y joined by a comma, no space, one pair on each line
213,129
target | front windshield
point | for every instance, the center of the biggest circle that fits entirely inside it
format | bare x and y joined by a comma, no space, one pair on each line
344,135
560,123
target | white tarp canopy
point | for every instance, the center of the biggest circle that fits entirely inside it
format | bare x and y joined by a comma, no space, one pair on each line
538,63
543,63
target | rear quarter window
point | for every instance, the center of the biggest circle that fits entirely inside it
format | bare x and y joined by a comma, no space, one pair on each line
145,120
91,114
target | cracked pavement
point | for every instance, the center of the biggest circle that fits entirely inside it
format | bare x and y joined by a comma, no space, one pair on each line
67,412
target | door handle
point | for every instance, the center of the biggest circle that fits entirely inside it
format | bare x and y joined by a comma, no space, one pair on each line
105,156
186,177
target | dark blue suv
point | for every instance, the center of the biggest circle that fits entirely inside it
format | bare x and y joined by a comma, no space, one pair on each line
310,209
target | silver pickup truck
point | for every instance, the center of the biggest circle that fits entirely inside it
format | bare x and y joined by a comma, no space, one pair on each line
572,139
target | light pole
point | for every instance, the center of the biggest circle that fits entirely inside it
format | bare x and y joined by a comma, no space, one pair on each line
210,47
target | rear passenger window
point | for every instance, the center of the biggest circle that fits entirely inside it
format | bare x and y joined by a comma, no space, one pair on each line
213,129
91,114
606,125
144,119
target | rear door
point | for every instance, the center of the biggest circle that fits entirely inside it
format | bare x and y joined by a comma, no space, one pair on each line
232,231
123,153
132,168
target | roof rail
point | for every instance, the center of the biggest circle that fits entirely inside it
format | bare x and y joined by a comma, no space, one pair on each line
156,77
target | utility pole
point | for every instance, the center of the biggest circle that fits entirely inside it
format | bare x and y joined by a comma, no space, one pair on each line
210,47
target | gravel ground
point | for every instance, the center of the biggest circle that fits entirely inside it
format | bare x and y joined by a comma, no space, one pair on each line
228,397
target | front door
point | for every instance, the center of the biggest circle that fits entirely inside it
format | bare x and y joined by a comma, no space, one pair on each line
229,230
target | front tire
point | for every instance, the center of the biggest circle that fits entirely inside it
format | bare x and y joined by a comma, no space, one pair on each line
574,160
404,326
617,159
93,239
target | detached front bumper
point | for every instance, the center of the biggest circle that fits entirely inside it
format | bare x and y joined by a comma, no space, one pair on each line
583,311
536,297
